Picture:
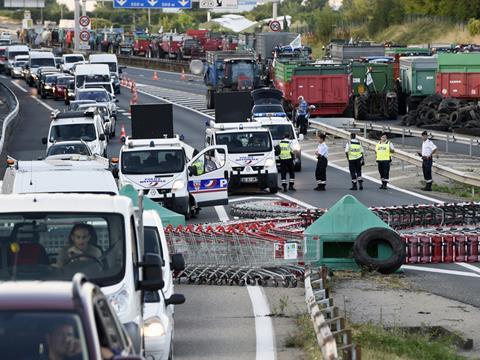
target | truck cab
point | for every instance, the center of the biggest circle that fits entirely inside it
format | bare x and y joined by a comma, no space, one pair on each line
93,75
251,154
164,172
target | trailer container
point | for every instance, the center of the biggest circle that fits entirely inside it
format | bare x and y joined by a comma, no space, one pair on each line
344,53
417,78
266,42
459,63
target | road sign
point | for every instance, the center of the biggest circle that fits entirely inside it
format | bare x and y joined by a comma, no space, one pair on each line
218,4
85,35
84,46
24,3
275,25
84,21
152,4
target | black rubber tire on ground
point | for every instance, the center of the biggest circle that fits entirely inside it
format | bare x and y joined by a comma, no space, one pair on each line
273,189
210,102
360,108
392,109
375,235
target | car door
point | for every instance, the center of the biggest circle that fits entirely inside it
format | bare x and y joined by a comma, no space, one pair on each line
208,176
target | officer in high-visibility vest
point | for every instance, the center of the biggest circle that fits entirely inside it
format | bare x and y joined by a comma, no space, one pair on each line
198,164
383,151
354,153
286,162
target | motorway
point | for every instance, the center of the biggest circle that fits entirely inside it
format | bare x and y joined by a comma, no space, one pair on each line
223,322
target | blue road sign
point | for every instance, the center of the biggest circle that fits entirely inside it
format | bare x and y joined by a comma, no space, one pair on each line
152,4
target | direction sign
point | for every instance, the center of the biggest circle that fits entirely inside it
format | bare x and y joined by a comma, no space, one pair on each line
275,25
152,4
84,21
84,35
24,3
218,4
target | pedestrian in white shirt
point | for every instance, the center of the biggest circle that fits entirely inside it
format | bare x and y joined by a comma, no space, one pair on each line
322,162
428,149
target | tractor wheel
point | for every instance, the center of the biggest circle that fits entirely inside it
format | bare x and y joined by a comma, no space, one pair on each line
360,108
392,108
210,99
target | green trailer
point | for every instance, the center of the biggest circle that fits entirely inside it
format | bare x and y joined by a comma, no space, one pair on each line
459,63
408,51
374,90
417,77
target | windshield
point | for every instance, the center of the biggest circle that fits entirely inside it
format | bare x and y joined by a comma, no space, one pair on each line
63,80
242,70
12,54
270,108
98,96
62,149
55,246
105,86
153,161
51,78
245,142
28,335
85,132
112,66
35,63
152,241
82,79
2,51
101,109
20,63
73,59
278,131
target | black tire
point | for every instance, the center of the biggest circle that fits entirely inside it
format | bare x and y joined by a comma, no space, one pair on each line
210,102
360,108
188,212
392,108
372,237
273,189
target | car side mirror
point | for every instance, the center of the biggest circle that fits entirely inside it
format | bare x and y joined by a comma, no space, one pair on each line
175,299
44,141
192,171
102,137
301,137
152,273
178,262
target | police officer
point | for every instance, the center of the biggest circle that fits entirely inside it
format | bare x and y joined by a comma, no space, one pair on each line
286,162
428,149
354,153
383,150
322,161
198,164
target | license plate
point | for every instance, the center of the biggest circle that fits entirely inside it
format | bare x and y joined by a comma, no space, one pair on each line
249,180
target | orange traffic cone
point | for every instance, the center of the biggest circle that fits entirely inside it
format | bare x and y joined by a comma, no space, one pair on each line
123,134
155,76
183,76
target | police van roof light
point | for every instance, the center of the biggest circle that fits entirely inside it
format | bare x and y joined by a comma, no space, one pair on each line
152,143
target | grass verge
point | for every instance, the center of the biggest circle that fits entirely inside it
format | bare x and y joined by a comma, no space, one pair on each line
458,189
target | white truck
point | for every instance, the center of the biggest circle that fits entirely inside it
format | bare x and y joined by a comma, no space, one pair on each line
93,75
39,229
10,54
160,164
108,59
251,154
36,60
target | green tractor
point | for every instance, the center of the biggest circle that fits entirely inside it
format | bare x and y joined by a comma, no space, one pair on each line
375,96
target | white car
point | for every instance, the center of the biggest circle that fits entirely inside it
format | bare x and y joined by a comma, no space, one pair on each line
159,309
68,60
99,95
104,110
78,125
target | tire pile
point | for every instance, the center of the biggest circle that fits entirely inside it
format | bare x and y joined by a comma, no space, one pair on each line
445,114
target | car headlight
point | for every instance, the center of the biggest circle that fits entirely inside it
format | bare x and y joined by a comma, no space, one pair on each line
153,327
179,184
119,301
269,162
47,87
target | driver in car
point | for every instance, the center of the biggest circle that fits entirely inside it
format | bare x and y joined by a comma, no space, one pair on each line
79,246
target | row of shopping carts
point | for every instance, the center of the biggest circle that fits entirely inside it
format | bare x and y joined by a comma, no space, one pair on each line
245,253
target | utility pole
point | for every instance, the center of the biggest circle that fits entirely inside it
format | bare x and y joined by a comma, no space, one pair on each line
76,39
149,22
84,7
275,9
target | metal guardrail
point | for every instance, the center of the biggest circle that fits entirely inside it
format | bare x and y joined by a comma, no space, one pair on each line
471,141
402,155
9,117
153,63
334,339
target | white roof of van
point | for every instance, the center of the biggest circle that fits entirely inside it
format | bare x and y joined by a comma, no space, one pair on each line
41,54
18,48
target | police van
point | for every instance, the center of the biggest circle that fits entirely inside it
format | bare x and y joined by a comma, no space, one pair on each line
268,111
162,165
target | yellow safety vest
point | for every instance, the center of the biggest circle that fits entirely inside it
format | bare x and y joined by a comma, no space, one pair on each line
383,151
285,152
199,165
354,151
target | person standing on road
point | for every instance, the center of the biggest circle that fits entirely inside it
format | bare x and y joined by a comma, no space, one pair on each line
384,150
286,162
302,112
354,153
428,149
322,162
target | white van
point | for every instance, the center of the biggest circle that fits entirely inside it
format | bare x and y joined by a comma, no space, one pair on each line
18,68
38,59
107,59
78,125
69,59
10,54
43,226
93,75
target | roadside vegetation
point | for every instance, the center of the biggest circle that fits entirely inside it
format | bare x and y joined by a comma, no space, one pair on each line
459,190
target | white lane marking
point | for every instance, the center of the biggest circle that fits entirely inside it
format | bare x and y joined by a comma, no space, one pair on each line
42,103
299,202
263,324
21,88
393,187
470,267
252,198
162,72
439,271
221,213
